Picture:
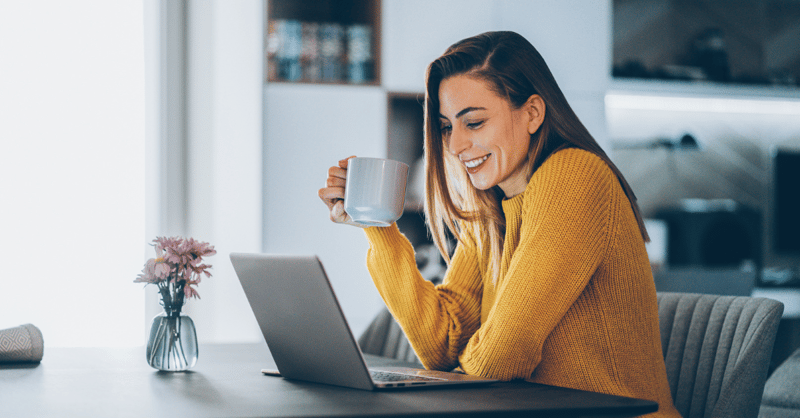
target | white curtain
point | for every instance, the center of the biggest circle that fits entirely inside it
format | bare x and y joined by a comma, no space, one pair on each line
72,170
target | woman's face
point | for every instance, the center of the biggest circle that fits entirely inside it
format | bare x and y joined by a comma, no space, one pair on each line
488,136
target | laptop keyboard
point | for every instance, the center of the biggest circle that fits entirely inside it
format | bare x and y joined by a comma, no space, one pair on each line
380,376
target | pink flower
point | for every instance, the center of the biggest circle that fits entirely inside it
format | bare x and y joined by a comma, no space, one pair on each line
155,270
178,261
189,291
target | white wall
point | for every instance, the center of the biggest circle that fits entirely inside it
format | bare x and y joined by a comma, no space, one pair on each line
225,147
415,32
308,129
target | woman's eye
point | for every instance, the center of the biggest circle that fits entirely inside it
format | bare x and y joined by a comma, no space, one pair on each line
474,125
445,130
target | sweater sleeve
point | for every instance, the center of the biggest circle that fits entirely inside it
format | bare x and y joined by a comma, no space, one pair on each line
562,240
438,321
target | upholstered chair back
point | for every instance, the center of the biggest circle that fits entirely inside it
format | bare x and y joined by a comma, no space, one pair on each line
385,338
717,351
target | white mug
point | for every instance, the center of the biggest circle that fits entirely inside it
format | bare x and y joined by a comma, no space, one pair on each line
375,190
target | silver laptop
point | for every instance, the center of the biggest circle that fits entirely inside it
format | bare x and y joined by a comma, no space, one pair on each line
307,333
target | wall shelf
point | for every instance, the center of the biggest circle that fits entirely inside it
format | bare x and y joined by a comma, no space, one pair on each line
701,89
405,143
744,42
323,41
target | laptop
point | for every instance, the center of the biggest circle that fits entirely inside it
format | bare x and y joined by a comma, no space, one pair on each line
307,333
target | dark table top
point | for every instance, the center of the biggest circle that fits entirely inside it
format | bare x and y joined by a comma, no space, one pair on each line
226,382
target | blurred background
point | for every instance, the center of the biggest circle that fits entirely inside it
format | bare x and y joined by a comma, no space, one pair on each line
217,119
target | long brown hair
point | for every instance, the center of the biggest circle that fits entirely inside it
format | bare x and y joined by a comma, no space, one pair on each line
515,70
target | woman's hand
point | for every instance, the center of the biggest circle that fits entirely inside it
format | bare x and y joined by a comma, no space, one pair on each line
333,194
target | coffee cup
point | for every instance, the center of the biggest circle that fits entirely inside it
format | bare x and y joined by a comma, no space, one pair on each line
375,190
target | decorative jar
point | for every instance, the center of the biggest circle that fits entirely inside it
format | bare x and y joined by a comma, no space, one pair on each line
172,345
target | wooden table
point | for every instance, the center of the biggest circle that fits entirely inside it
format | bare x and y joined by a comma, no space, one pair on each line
226,382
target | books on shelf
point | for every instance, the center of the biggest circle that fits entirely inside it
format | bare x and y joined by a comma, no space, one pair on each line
310,59
332,51
359,53
319,52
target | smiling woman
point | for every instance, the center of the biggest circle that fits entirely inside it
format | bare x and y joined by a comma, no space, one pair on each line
549,280
72,169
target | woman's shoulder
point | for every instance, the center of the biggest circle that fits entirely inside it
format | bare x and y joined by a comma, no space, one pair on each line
573,157
570,180
577,165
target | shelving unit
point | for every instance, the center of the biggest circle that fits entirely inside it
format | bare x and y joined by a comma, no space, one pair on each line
405,143
323,41
702,89
405,136
741,43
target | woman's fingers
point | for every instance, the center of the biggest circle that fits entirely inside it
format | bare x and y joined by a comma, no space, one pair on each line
338,214
330,195
337,172
334,185
343,163
333,193
337,177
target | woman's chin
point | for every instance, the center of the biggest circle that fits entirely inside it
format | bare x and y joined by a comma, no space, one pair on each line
481,183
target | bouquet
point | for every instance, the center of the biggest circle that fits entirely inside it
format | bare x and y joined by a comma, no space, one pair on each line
177,269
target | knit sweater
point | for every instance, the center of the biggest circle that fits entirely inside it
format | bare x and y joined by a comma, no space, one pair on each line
574,304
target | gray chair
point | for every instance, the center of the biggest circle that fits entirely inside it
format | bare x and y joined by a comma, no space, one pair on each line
384,337
782,390
717,351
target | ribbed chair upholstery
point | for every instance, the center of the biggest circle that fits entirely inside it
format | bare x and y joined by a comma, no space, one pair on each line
385,338
782,390
717,351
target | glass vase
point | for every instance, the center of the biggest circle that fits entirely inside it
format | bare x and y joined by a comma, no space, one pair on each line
172,345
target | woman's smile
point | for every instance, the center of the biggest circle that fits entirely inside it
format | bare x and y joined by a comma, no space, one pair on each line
475,164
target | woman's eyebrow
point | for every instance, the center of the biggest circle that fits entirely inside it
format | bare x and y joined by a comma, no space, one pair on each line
463,112
467,110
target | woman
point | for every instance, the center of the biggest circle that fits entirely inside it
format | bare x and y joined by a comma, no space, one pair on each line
549,280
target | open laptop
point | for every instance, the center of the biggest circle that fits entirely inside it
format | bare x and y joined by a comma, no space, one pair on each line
307,333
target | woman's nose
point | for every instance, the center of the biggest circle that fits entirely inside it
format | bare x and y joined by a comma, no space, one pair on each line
457,143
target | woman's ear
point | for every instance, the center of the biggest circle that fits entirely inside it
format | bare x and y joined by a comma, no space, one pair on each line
536,109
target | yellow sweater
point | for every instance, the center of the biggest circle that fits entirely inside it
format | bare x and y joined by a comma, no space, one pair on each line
574,304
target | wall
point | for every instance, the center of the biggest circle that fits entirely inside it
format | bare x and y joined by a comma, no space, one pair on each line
225,39
308,129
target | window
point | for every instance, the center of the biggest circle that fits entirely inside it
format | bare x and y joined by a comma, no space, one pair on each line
72,170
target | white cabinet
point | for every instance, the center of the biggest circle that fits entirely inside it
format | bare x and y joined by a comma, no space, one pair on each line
308,128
